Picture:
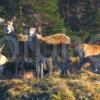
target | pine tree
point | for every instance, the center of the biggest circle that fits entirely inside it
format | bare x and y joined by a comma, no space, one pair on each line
45,13
96,23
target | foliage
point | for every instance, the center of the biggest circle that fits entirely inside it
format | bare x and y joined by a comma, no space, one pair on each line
79,15
66,16
96,22
47,12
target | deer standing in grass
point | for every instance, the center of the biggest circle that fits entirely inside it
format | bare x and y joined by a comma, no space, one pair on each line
16,47
34,40
88,51
10,37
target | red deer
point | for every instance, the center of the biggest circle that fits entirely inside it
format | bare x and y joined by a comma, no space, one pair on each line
57,39
10,35
90,51
34,40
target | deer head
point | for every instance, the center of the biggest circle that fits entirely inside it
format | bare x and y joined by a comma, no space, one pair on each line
8,27
32,31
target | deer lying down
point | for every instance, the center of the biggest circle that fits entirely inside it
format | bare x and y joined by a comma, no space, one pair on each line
90,51
3,60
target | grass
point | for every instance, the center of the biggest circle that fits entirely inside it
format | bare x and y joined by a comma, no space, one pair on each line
84,86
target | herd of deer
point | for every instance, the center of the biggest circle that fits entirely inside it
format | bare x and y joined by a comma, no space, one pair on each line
84,51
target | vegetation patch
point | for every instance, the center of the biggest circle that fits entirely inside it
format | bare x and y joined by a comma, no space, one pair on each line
73,87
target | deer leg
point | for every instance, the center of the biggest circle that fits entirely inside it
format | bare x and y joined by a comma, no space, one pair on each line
54,55
1,70
64,59
50,69
38,71
38,57
16,67
38,66
22,64
80,64
81,57
42,66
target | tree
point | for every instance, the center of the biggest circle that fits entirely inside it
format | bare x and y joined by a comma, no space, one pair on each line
96,22
8,8
45,14
79,14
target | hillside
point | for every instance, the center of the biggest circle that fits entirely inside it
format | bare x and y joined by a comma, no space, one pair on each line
84,86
